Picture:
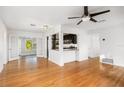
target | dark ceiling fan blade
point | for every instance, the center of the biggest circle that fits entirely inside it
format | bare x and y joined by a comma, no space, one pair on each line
98,13
91,19
79,22
86,10
73,17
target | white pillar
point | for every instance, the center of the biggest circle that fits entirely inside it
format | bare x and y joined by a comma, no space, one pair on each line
61,48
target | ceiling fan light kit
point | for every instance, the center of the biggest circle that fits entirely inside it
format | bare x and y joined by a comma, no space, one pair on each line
87,16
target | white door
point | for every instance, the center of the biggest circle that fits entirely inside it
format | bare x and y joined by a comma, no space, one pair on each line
13,48
94,45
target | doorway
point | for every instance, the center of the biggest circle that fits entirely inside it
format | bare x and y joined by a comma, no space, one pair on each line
47,47
13,48
27,47
94,45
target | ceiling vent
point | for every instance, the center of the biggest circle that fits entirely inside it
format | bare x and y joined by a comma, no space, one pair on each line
32,25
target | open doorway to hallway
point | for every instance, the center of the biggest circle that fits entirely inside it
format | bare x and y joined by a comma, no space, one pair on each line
27,46
21,47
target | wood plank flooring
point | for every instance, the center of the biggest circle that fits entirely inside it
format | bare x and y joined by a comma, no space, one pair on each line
41,72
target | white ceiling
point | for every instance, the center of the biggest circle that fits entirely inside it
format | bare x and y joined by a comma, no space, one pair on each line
20,17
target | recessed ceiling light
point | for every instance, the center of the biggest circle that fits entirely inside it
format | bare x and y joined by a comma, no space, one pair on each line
32,25
45,26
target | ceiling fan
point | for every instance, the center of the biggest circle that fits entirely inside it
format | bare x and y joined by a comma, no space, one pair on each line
87,16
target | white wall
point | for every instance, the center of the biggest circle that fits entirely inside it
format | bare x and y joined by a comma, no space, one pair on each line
22,33
113,46
69,56
3,45
39,49
22,44
83,42
54,56
94,45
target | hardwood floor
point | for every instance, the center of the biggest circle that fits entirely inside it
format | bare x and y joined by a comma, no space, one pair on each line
41,72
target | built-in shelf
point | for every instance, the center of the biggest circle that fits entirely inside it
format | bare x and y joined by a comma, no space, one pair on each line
55,41
69,41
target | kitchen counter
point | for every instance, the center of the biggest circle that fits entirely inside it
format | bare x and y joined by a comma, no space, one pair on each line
70,50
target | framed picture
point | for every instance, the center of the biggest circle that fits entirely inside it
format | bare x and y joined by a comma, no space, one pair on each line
28,45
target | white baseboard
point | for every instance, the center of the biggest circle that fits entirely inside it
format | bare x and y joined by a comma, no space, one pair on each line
39,55
107,63
82,59
120,65
1,68
60,64
15,58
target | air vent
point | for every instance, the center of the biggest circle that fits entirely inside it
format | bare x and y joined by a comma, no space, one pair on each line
32,25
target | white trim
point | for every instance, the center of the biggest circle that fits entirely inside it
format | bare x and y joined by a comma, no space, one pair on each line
15,58
1,68
121,65
82,59
60,64
39,55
